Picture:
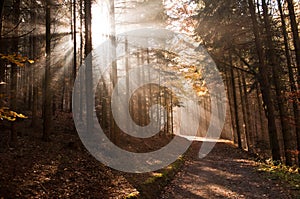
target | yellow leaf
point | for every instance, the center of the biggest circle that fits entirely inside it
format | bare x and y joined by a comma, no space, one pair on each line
30,61
20,64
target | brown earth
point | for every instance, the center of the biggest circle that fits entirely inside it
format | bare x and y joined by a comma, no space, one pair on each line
63,168
226,172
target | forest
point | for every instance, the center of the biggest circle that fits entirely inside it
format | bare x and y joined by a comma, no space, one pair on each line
149,99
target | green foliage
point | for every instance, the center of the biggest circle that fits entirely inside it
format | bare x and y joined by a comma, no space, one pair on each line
282,172
166,173
6,114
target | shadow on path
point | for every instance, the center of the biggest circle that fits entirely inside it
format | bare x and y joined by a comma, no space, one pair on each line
225,173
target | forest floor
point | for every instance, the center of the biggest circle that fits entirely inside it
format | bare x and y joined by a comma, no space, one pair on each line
63,168
227,172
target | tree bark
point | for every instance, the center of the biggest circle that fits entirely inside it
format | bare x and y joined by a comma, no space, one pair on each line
235,104
88,69
248,113
243,104
287,131
14,72
114,69
296,41
47,110
295,30
264,74
1,15
292,81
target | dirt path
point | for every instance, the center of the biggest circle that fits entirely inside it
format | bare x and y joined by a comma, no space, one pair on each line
225,173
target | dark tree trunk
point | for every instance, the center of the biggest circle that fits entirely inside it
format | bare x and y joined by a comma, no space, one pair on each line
88,69
289,62
248,113
295,30
287,132
2,64
235,104
47,104
264,74
243,104
231,106
72,79
33,54
14,71
1,15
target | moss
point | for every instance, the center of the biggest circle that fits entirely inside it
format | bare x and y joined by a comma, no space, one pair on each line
154,184
133,195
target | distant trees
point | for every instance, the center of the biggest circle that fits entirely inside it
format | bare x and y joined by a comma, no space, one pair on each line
29,35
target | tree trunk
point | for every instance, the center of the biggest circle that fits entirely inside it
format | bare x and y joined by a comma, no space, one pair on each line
33,53
248,113
14,72
291,73
1,15
292,80
296,40
287,131
2,64
74,54
235,105
265,86
245,116
231,106
88,69
47,110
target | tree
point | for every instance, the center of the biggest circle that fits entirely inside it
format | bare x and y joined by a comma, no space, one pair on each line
295,31
289,144
47,102
264,74
14,71
88,62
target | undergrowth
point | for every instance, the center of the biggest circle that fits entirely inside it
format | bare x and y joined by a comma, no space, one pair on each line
278,171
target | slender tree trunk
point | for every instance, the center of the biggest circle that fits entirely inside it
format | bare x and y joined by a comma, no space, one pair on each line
74,54
231,106
245,117
296,41
295,30
14,71
34,76
47,110
287,131
2,65
1,16
63,90
127,54
81,58
88,69
260,113
265,86
292,81
248,113
235,105
114,70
